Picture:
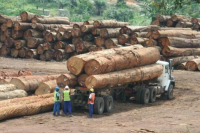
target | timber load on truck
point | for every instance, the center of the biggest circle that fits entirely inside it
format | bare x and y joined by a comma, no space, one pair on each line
121,73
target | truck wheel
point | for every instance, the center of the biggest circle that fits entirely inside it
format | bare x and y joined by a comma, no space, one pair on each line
138,95
152,98
145,96
108,104
170,92
98,105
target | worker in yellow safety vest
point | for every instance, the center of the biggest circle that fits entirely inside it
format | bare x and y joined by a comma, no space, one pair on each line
91,102
56,107
67,101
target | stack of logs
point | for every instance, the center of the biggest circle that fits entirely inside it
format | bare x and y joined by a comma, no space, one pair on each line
54,38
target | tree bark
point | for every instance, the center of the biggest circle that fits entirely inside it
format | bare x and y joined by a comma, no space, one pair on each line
49,54
178,60
82,46
67,35
192,65
70,48
111,42
40,49
27,16
175,52
22,26
81,80
88,37
60,54
179,42
60,45
34,42
50,37
66,79
76,63
32,33
46,87
120,77
88,23
77,25
22,52
65,28
86,28
17,34
8,33
175,33
51,20
95,31
123,38
9,42
139,40
124,60
5,51
99,41
14,52
77,32
32,54
109,24
109,33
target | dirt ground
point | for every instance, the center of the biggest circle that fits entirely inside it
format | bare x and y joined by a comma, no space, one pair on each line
181,115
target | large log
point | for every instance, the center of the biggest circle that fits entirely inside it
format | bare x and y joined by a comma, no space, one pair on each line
109,24
31,83
88,37
22,52
82,46
32,33
49,54
66,79
77,32
4,27
180,42
59,54
88,23
8,74
60,45
76,63
12,94
39,26
46,87
95,31
20,44
99,41
4,81
124,60
178,60
2,37
139,40
42,57
164,18
131,29
26,109
192,65
50,37
120,77
86,28
10,22
65,28
9,42
81,79
17,34
175,52
51,20
32,53
34,42
8,33
67,34
123,38
70,48
7,87
109,33
27,16
94,48
48,45
40,49
111,43
184,24
150,43
77,24
5,51
176,18
181,66
14,52
22,26
195,20
175,33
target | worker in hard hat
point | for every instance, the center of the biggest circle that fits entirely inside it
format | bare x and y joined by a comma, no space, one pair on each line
56,107
67,101
91,102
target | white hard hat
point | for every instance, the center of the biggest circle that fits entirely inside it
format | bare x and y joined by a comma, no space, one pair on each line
66,87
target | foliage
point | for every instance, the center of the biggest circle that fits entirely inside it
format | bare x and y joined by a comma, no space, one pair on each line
100,5
62,3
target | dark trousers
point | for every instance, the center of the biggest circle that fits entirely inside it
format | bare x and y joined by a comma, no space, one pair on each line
67,106
56,108
90,109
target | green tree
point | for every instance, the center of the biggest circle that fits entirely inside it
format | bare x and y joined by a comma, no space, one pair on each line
100,5
62,3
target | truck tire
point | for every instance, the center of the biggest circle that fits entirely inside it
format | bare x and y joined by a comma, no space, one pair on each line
152,98
98,105
170,92
145,96
138,95
108,104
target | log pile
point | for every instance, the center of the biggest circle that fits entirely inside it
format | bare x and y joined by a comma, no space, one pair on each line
25,106
54,38
116,66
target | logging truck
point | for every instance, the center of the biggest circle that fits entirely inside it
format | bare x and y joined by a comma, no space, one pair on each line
143,91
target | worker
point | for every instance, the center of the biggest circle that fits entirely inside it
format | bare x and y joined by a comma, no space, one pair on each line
56,107
91,102
67,101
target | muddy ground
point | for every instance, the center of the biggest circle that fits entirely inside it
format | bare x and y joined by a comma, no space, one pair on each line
179,115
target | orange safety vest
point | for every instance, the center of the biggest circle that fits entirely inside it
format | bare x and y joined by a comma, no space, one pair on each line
91,101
